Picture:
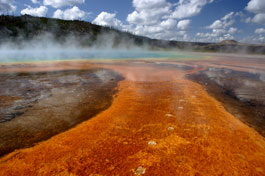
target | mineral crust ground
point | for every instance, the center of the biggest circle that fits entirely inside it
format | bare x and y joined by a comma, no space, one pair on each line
159,123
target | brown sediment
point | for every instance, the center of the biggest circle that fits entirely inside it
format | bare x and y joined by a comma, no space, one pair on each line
7,100
241,93
159,124
239,83
37,105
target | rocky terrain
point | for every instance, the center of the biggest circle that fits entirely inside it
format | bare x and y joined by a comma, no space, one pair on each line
241,92
37,105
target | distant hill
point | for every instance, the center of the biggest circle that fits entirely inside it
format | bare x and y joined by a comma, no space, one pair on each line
228,42
232,46
20,29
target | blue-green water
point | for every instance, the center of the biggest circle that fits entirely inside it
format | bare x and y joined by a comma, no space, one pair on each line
9,56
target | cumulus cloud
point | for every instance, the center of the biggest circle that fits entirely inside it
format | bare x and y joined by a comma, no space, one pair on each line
232,30
39,11
259,18
159,19
62,3
162,19
214,36
183,24
260,31
147,17
168,24
35,1
253,39
148,4
228,16
153,18
70,14
7,6
257,7
108,19
148,12
222,29
216,25
226,21
189,8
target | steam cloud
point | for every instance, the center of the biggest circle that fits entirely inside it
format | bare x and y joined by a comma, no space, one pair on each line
47,47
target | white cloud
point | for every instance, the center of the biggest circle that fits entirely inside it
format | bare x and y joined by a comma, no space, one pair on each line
189,8
148,12
35,1
153,18
228,16
221,29
259,18
226,37
218,32
183,24
232,30
216,25
62,3
39,12
260,31
108,19
163,20
174,35
7,6
151,31
168,24
147,17
214,37
70,14
257,7
148,4
224,22
253,39
164,30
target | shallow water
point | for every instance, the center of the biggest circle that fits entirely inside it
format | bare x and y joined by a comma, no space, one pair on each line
9,56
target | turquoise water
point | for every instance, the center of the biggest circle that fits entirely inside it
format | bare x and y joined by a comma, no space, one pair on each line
9,56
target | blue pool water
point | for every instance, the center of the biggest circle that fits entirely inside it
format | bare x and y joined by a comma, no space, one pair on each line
8,56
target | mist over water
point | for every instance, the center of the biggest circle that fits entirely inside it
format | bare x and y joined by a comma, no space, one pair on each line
44,47
26,55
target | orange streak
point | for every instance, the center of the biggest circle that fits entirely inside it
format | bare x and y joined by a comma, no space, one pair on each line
203,139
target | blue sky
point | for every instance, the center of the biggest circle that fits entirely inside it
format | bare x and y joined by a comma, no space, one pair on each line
185,20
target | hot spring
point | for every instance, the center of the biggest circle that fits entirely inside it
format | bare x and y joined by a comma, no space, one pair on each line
25,55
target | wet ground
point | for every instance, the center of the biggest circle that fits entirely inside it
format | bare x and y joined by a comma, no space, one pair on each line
242,93
161,122
37,105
